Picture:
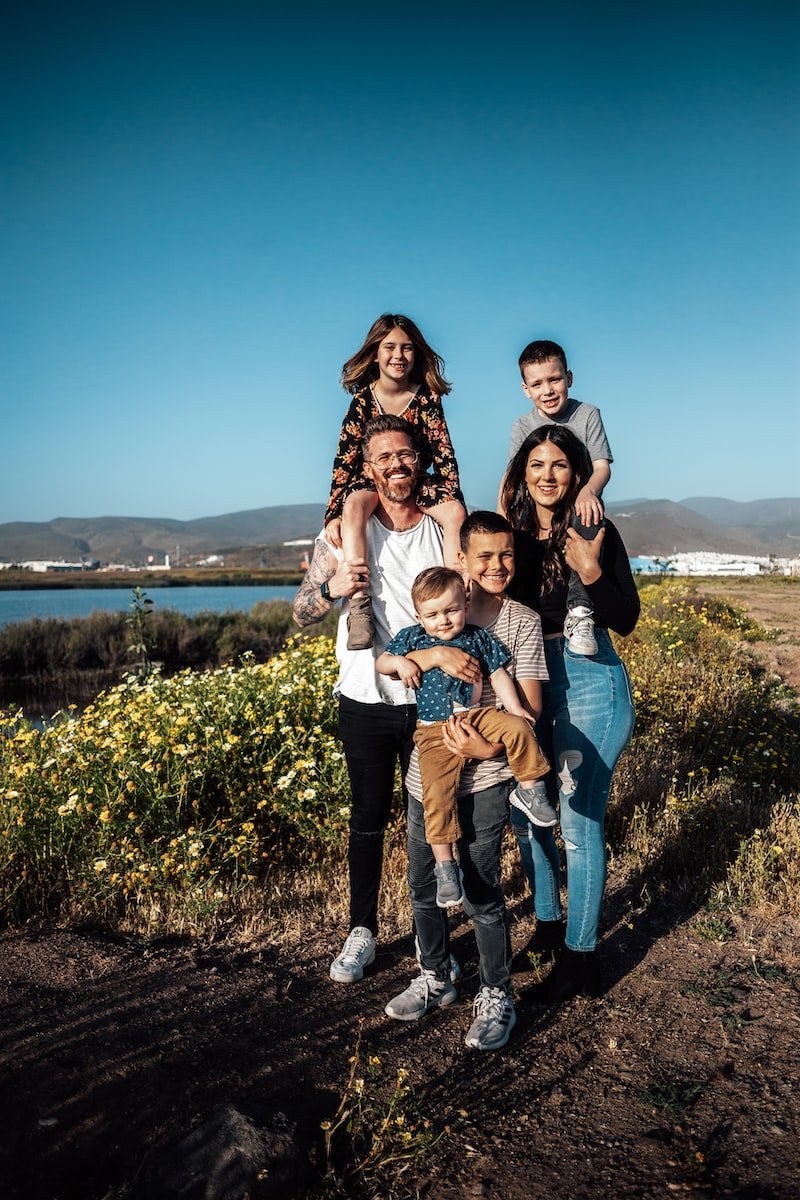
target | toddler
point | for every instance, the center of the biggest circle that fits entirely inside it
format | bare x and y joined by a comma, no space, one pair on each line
440,605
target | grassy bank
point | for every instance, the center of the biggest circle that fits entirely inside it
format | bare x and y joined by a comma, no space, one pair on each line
47,663
183,804
189,577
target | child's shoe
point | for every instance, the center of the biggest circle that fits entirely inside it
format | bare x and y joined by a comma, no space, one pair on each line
579,631
360,625
534,804
448,884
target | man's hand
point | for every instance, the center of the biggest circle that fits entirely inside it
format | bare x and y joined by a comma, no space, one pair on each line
344,579
463,739
351,576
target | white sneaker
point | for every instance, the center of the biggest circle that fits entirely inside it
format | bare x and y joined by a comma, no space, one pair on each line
493,1010
579,631
422,994
358,952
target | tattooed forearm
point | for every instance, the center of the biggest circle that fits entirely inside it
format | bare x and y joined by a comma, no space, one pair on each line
309,606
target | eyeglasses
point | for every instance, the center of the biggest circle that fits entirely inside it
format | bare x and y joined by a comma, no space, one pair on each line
406,457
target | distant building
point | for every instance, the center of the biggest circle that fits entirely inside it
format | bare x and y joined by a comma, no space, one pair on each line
42,565
706,562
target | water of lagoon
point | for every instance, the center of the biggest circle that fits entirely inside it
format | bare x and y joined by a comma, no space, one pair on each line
24,605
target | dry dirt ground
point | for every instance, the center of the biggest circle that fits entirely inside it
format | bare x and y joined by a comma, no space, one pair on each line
680,1079
776,604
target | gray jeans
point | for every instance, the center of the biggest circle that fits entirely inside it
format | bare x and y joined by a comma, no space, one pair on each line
482,817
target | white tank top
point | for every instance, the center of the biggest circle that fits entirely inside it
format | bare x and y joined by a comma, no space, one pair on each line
395,560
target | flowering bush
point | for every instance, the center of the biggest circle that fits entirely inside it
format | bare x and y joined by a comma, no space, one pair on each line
168,801
192,784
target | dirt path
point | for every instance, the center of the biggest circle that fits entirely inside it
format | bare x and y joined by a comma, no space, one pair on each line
679,1080
776,604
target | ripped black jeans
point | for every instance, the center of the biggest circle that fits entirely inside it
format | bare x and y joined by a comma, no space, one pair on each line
375,738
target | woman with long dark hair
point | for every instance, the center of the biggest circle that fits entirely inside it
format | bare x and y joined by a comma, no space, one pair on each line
587,714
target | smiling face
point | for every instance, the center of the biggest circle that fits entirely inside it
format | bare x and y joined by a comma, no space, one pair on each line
489,561
548,475
444,616
394,478
395,358
547,385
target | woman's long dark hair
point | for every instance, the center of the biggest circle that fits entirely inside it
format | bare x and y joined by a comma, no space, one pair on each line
520,508
361,369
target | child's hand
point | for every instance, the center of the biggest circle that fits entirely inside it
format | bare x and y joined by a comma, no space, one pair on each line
584,557
333,532
408,672
588,506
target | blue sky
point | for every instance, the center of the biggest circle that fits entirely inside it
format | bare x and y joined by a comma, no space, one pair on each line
204,206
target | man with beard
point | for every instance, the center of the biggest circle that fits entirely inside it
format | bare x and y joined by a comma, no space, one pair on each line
377,713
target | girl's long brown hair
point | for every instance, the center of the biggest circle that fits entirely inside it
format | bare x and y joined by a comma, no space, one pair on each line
361,369
521,510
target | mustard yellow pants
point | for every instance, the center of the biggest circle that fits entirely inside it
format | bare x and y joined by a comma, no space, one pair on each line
441,770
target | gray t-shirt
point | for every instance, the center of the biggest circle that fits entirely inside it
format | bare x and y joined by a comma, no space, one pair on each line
583,419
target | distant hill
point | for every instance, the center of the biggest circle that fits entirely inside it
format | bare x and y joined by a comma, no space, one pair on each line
648,527
133,539
730,527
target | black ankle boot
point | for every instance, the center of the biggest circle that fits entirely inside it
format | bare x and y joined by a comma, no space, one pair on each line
575,974
547,940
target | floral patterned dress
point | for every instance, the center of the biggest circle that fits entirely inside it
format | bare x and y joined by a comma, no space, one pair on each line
438,467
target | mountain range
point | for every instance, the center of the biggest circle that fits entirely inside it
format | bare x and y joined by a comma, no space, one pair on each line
654,527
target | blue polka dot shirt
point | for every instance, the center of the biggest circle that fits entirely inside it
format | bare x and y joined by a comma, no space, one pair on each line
438,693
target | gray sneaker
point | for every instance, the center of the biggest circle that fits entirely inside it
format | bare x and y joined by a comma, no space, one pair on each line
423,993
494,1018
357,953
448,884
579,631
534,803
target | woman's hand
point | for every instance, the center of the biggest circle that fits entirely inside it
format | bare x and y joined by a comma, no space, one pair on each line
463,739
584,557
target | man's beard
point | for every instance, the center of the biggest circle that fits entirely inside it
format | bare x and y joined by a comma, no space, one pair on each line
396,490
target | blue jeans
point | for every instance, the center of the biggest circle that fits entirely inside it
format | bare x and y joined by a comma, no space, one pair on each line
375,739
587,720
482,819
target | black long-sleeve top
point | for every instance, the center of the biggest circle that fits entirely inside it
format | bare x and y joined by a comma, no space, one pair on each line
614,597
